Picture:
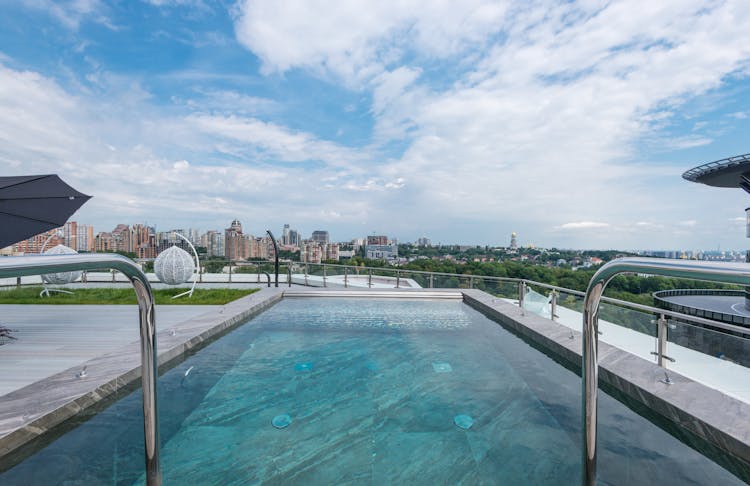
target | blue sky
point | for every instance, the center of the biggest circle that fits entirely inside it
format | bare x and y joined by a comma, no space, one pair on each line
567,122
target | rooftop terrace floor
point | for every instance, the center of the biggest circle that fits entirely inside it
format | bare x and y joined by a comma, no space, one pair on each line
53,338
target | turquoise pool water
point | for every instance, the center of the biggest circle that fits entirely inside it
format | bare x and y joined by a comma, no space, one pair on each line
342,391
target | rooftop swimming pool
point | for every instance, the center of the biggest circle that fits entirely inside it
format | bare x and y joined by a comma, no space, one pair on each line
366,391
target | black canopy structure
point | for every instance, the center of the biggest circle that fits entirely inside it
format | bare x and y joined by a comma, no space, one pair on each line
30,205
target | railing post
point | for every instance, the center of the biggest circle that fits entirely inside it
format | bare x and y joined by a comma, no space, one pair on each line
661,333
346,277
325,275
432,281
289,275
306,271
471,282
113,276
18,281
398,278
521,293
369,278
553,305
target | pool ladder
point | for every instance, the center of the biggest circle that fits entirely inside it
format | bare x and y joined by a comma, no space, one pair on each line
43,264
732,273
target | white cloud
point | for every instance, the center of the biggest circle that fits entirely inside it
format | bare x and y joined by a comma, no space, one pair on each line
275,141
72,12
356,40
539,106
511,115
583,225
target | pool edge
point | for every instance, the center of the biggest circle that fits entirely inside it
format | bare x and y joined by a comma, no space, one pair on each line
32,411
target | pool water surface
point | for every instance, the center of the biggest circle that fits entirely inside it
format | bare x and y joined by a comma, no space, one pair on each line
367,391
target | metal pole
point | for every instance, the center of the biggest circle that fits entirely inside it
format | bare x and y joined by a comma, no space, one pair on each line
732,273
306,271
324,275
289,275
369,278
553,305
276,257
230,271
471,282
346,277
398,278
661,333
521,293
432,281
37,265
197,266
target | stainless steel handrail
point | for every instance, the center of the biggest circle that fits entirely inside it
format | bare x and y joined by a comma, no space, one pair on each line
733,273
42,264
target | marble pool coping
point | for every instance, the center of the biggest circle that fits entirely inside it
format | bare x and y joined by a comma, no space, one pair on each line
33,410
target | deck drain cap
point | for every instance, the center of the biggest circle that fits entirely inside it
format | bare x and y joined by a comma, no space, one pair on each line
281,421
463,421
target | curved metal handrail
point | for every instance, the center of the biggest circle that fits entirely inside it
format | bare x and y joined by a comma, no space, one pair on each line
41,264
733,273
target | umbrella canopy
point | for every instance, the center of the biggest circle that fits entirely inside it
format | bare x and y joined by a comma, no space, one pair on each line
30,205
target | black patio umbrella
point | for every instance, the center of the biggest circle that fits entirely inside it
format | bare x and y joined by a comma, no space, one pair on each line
30,205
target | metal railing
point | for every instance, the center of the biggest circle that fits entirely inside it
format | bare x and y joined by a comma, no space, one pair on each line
45,264
731,273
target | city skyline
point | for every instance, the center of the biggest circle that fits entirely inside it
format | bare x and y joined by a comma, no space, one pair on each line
566,122
85,237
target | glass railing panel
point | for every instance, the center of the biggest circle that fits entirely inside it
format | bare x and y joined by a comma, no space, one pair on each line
718,344
537,303
570,301
446,281
641,322
413,280
500,288
718,359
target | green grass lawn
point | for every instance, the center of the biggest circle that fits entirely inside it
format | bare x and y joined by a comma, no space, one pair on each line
30,295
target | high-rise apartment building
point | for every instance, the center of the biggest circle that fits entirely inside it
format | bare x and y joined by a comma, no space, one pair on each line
513,241
377,240
36,243
104,242
70,235
122,238
236,245
144,241
321,237
213,242
289,236
194,236
84,238
259,247
314,252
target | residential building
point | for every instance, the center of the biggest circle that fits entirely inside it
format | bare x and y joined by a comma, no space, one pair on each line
236,246
321,237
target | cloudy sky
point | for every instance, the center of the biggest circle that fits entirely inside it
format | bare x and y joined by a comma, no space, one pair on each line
567,122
